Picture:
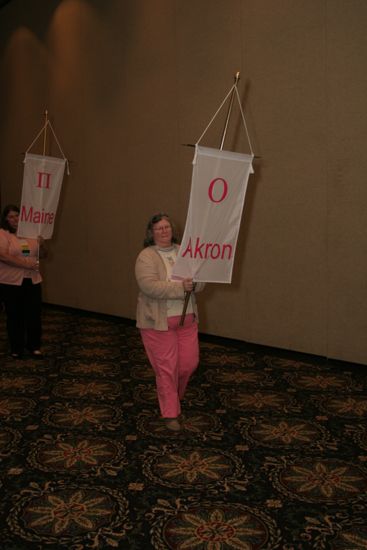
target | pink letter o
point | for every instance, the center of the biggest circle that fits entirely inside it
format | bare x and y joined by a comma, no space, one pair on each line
211,189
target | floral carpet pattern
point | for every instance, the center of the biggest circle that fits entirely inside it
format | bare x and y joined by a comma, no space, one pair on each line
272,455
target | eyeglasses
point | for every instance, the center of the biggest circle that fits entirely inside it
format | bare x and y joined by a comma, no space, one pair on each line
162,228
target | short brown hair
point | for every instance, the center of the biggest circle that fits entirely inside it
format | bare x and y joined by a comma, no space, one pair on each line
149,239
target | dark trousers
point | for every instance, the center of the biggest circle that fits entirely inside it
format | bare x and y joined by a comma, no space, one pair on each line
23,315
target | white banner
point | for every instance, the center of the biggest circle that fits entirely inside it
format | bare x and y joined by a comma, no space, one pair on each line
219,183
42,180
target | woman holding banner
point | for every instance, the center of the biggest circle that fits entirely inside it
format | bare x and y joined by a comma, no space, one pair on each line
172,348
20,285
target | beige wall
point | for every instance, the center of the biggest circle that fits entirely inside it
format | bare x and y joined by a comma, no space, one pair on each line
126,82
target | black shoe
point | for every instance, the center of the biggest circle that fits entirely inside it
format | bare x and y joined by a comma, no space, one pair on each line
37,354
16,355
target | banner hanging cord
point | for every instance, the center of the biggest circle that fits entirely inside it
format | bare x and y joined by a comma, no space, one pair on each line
43,129
221,105
234,87
244,121
62,152
37,136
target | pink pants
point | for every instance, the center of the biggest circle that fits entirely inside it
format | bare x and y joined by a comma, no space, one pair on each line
174,356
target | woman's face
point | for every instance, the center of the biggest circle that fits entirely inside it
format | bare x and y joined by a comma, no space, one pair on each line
162,233
12,218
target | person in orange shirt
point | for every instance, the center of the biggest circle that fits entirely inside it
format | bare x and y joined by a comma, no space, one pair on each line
20,285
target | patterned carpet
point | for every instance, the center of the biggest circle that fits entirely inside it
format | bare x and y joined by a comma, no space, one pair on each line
273,453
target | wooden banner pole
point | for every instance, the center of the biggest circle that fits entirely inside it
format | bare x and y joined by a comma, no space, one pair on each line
236,79
45,133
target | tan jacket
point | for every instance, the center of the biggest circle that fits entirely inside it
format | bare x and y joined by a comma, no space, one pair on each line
155,290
